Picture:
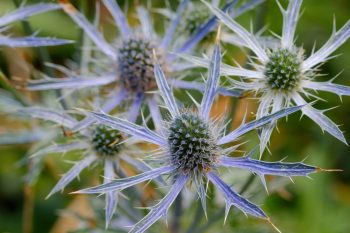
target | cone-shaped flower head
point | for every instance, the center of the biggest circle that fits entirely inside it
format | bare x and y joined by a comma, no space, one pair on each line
192,145
106,141
194,17
136,66
283,74
97,143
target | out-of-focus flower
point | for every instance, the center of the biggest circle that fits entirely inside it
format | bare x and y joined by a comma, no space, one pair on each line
98,143
31,41
282,74
193,149
195,20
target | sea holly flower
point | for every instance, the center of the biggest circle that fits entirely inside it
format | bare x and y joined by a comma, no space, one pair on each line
98,143
283,75
129,63
196,16
193,147
30,41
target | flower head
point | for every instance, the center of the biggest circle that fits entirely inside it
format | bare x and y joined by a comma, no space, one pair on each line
194,17
106,141
195,20
191,143
193,147
283,74
135,65
97,144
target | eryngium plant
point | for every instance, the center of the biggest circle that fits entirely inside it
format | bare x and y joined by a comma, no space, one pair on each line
283,74
21,14
128,59
195,20
193,148
97,144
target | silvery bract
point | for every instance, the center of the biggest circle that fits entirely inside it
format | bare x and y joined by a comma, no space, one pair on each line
21,14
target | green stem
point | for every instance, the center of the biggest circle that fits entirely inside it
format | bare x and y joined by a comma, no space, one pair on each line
247,183
41,51
175,226
6,86
196,219
216,217
43,56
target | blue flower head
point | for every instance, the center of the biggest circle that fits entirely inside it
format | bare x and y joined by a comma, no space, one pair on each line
283,75
194,149
97,144
195,20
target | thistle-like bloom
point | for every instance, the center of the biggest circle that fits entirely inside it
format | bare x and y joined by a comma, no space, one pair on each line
193,148
31,41
196,15
129,61
98,143
283,76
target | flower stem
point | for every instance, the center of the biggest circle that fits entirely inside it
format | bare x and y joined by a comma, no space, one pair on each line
43,56
8,87
28,208
175,226
247,184
28,204
196,219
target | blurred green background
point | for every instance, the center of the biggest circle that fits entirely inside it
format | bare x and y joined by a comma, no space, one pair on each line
320,205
